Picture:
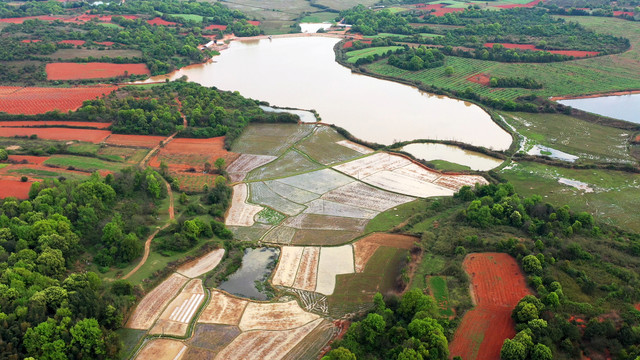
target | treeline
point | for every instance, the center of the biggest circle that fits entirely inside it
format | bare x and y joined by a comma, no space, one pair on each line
369,22
402,329
515,82
417,59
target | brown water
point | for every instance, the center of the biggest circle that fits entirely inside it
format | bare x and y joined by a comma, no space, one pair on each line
454,154
301,72
624,107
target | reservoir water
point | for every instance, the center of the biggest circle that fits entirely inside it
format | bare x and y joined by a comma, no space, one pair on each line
454,154
623,107
301,72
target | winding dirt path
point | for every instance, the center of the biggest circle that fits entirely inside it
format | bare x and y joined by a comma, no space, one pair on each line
147,244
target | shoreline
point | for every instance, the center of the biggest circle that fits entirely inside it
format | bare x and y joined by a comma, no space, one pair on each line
590,96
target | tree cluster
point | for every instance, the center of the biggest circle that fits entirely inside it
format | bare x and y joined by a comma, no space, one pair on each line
515,82
414,59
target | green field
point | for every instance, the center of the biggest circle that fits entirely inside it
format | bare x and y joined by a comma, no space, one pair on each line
189,17
353,292
319,17
448,166
613,201
391,218
84,148
4,165
322,147
591,142
270,139
440,291
84,163
39,173
354,55
429,265
592,75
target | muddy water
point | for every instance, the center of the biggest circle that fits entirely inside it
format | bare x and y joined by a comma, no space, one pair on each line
301,72
313,27
623,107
248,281
472,159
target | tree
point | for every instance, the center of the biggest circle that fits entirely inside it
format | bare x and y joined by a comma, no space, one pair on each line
220,163
541,352
340,353
153,186
513,350
449,70
88,339
532,265
51,262
3,155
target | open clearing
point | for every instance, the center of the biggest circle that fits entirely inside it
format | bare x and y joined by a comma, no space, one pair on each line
201,265
59,134
241,213
333,261
498,285
162,349
154,302
261,344
275,316
366,247
176,317
39,100
223,309
285,273
239,169
270,139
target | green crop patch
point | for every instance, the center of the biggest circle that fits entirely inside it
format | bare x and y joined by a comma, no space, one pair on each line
440,292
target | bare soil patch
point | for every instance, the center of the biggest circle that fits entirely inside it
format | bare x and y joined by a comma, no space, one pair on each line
241,213
213,337
245,163
274,316
176,317
162,349
145,141
202,265
223,309
306,278
151,306
288,264
366,247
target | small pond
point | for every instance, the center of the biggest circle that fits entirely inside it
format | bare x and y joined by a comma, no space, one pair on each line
257,265
453,154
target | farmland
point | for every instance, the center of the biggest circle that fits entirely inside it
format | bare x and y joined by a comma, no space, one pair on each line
363,53
497,285
38,100
79,71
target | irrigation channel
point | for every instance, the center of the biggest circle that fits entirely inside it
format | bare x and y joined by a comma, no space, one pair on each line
301,72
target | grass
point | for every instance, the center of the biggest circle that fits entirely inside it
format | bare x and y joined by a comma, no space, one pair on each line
353,292
189,17
319,17
391,218
130,339
440,291
83,163
39,173
448,166
270,216
591,142
322,147
614,200
431,264
355,55
4,165
590,75
84,148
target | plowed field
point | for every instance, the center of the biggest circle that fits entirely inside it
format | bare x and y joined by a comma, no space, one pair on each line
154,302
275,316
15,188
498,285
97,125
223,309
61,134
39,100
145,141
202,264
79,71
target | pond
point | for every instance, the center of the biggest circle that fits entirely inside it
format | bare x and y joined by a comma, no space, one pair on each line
301,72
454,154
248,281
623,107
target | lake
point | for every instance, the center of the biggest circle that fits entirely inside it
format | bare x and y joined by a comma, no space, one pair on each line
301,72
257,265
623,107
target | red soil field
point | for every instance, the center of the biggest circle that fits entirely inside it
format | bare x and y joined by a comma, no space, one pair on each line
574,53
498,284
528,5
620,13
105,43
78,71
254,22
36,160
60,134
349,43
482,79
73,42
145,141
15,188
183,154
95,125
216,27
30,41
160,21
39,100
103,18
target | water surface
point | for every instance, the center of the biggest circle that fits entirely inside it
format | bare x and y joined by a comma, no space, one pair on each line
623,107
313,27
301,72
454,154
305,116
257,265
